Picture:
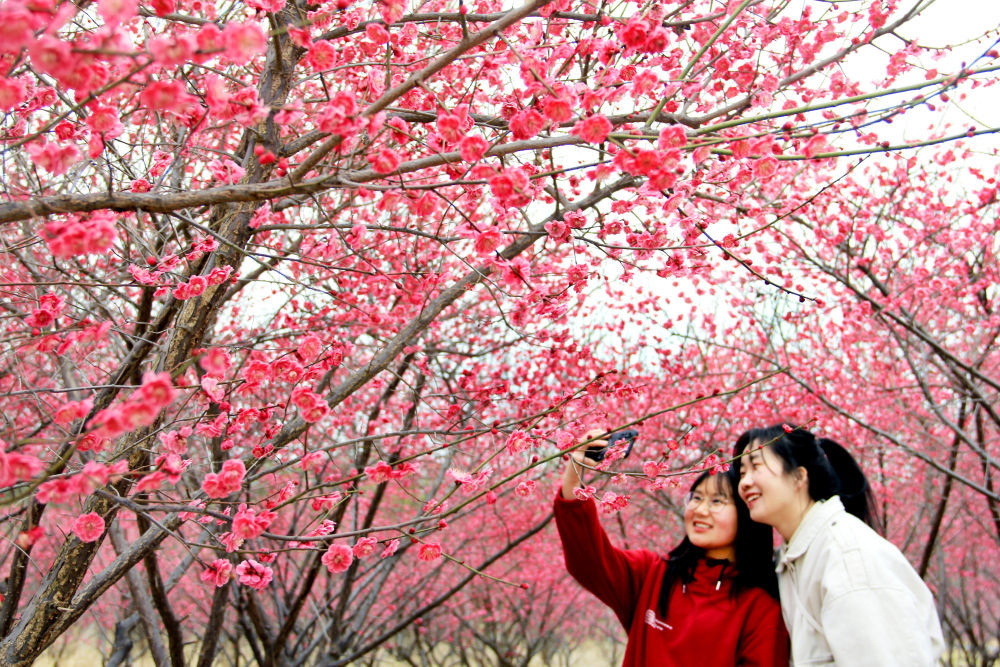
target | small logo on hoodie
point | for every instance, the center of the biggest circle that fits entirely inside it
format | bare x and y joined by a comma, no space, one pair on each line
656,623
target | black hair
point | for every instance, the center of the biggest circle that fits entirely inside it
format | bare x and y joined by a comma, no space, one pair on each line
831,469
753,546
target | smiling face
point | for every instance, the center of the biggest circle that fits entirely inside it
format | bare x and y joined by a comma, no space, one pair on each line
710,518
773,496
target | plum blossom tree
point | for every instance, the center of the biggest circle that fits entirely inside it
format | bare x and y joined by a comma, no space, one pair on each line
303,300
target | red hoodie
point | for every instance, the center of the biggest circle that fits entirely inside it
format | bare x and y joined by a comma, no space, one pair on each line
705,625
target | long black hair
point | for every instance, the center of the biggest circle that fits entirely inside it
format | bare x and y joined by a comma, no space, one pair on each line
831,469
753,546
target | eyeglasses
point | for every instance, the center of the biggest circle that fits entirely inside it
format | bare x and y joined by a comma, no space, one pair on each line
715,503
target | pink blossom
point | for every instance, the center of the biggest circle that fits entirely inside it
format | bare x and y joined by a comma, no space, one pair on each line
172,50
325,503
311,407
286,369
765,168
116,12
273,6
336,354
390,548
322,56
472,147
39,318
111,422
470,483
257,371
27,538
557,229
339,116
612,502
218,572
338,558
138,413
526,124
226,171
54,158
816,145
172,466
557,109
488,241
364,547
525,488
519,441
253,574
12,93
104,121
140,185
309,348
593,129
510,187
241,42
157,389
451,126
212,428
312,461
633,34
379,473
391,10
175,442
88,527
211,387
74,236
376,33
52,56
58,490
219,275
166,96
249,523
163,7
231,541
91,441
216,361
68,412
17,26
225,482
429,552
385,161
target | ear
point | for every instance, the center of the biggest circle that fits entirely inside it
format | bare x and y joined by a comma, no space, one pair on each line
801,478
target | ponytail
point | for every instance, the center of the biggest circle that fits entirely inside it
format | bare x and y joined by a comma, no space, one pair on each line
855,491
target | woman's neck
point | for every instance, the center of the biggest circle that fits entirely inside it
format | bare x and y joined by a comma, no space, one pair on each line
722,553
790,524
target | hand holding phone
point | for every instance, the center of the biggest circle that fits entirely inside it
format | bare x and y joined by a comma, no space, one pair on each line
598,452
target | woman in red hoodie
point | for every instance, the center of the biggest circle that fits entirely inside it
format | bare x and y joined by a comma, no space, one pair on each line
711,602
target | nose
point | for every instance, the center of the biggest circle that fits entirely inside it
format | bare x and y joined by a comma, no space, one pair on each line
745,482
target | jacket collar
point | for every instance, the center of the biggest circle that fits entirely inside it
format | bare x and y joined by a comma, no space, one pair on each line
815,520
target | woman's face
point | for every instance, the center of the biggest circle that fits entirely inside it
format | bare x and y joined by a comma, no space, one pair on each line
710,518
773,496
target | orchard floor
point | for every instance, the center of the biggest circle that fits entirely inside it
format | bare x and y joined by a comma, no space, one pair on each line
85,654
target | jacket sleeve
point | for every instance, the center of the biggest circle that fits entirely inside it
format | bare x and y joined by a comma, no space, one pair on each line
764,639
613,575
887,618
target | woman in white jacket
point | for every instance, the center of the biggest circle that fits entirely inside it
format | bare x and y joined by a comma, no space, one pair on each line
848,596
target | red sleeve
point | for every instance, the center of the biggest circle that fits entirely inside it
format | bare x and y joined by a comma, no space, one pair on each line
764,640
614,575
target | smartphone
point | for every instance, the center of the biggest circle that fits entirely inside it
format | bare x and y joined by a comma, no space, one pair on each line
597,453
